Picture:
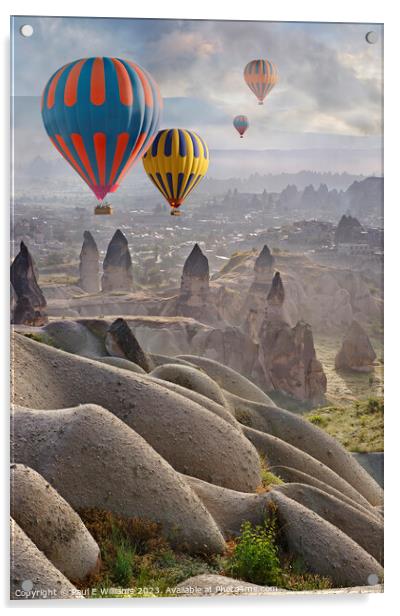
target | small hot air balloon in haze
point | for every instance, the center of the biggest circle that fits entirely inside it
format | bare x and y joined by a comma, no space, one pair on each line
102,115
241,124
176,162
260,76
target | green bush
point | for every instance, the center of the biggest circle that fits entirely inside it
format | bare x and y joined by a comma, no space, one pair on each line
318,420
255,556
374,405
122,570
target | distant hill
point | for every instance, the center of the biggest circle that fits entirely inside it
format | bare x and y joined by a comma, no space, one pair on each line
279,181
364,199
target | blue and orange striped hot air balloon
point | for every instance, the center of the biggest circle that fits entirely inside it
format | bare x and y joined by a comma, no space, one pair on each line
241,123
260,76
101,114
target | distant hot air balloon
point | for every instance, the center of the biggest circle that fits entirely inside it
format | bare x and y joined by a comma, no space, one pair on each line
175,163
241,124
260,76
102,115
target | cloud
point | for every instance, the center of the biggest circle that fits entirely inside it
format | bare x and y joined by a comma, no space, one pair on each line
330,78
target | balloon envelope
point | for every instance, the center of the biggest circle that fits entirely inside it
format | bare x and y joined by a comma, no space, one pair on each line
261,76
176,162
101,114
241,124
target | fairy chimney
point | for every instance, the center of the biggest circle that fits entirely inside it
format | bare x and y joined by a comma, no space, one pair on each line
29,307
89,272
117,266
287,353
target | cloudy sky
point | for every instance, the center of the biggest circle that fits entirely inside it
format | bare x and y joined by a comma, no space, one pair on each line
329,94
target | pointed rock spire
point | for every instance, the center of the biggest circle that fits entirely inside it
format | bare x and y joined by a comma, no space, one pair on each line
196,264
121,342
89,265
276,295
356,353
264,261
30,303
117,266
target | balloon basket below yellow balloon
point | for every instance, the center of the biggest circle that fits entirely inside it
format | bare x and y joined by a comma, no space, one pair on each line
103,210
174,212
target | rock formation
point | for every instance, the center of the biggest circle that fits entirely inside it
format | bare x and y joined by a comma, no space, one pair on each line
101,463
254,307
169,422
349,231
287,354
30,303
32,575
171,440
121,342
89,272
52,524
264,262
117,266
195,299
356,352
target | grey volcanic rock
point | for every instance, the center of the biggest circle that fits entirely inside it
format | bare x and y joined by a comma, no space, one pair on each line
356,353
230,508
121,342
297,431
74,337
279,453
229,379
193,379
191,438
229,346
364,529
264,263
117,266
195,299
32,575
222,411
254,305
52,524
29,301
349,231
276,295
123,364
322,547
292,475
94,460
89,272
196,266
287,354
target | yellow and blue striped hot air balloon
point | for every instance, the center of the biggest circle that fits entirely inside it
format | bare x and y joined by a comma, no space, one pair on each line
101,114
176,162
260,76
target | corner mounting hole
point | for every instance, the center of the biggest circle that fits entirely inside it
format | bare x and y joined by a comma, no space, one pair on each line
371,37
26,30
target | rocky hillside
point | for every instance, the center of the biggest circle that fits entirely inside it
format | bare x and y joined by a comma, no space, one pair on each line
100,425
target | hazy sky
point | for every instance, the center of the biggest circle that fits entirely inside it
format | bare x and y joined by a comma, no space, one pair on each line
329,94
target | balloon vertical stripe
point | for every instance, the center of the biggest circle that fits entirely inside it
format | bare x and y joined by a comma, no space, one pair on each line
97,83
176,162
71,85
124,84
51,94
80,148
